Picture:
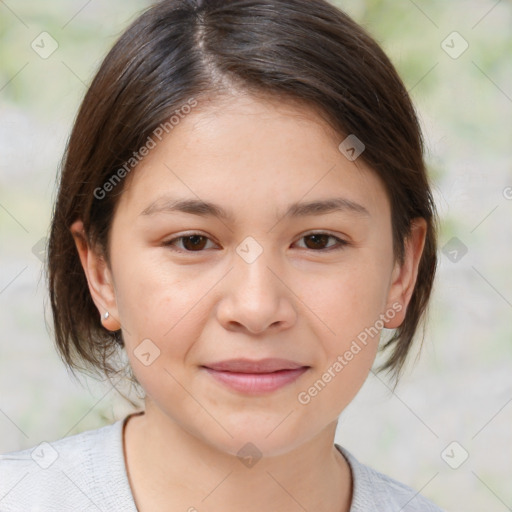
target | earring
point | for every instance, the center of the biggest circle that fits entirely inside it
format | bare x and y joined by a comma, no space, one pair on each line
106,315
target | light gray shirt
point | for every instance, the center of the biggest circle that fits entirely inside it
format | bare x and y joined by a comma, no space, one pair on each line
87,472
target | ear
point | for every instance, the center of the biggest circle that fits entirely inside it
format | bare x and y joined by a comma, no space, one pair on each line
99,278
404,276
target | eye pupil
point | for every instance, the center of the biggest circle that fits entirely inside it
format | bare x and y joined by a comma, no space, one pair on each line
196,241
318,238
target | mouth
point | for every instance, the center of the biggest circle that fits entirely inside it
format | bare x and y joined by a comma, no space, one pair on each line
255,376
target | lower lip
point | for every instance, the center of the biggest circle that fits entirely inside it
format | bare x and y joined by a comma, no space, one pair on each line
257,383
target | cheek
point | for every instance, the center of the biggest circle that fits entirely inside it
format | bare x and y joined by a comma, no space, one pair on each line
160,312
352,309
349,303
159,302
144,281
356,296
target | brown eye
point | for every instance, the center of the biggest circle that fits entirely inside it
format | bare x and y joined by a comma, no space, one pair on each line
190,243
318,242
194,242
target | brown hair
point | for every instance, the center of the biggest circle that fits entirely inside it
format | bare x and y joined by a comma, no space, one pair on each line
305,50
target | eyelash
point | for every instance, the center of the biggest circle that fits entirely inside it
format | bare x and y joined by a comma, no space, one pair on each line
340,243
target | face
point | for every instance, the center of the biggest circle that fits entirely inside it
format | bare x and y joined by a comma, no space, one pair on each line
259,326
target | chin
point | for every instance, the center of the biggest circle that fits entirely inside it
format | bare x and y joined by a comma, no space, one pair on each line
255,438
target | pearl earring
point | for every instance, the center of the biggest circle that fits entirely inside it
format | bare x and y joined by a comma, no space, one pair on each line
106,315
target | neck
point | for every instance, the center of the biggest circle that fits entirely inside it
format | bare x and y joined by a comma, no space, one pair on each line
170,469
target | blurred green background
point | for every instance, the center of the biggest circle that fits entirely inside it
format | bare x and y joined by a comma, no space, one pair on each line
461,388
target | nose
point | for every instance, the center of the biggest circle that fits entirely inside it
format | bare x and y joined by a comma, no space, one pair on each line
256,298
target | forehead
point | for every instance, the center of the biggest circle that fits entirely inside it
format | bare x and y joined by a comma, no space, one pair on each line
245,152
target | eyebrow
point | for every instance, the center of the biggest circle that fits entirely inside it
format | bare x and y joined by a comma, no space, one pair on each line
167,204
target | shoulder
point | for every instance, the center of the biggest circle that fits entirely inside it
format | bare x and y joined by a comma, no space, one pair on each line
78,472
373,490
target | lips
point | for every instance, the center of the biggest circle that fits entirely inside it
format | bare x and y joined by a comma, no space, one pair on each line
255,377
254,366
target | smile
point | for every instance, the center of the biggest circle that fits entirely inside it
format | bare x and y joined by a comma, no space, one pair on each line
255,377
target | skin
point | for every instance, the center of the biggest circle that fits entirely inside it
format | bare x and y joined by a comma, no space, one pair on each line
298,300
